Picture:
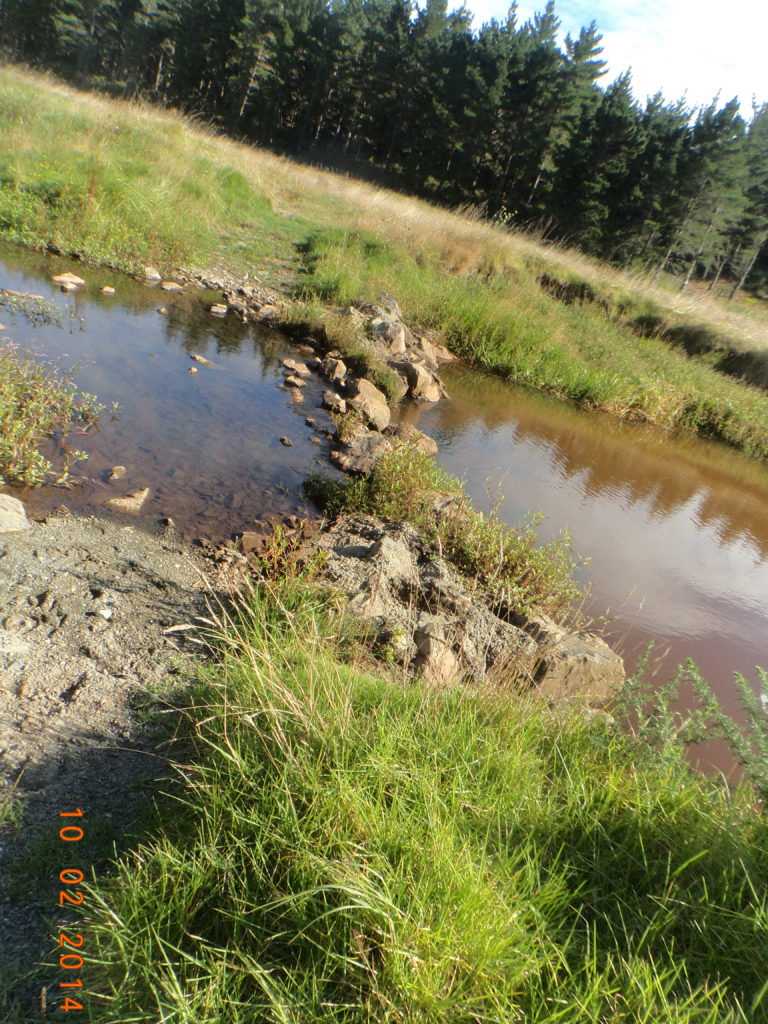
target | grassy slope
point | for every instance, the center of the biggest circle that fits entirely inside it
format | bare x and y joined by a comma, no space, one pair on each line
128,186
350,849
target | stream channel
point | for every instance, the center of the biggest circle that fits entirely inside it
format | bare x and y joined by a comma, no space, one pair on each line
675,529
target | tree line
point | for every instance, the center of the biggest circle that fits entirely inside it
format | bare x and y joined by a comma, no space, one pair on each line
504,118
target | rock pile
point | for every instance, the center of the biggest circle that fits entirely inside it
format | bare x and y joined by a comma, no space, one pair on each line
436,624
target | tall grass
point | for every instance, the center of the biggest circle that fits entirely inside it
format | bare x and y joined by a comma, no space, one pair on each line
116,183
344,848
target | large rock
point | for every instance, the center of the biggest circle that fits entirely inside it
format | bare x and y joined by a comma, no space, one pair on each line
420,607
370,402
361,454
13,518
573,665
438,625
423,384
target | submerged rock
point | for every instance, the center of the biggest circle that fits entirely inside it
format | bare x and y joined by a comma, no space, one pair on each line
130,502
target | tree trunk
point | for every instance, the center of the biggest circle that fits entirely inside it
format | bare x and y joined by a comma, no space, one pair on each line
749,266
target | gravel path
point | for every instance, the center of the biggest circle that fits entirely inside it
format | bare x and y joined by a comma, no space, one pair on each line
85,605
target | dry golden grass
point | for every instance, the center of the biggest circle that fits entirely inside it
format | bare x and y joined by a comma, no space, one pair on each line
464,241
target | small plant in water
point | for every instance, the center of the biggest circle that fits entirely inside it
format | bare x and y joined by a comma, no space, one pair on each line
38,404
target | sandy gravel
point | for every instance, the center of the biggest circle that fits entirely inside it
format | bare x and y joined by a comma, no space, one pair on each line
85,605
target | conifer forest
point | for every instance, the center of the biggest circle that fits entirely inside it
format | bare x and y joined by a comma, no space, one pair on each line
505,119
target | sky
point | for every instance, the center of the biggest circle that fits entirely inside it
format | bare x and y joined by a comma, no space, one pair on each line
681,48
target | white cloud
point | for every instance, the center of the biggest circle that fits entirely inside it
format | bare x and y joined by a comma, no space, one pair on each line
690,48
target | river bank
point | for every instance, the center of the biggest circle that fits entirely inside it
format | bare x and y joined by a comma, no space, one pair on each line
536,315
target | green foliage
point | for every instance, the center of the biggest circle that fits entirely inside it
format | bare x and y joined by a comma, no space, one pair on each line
406,484
750,745
341,848
38,403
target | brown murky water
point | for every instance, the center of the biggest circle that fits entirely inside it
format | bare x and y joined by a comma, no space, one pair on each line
676,530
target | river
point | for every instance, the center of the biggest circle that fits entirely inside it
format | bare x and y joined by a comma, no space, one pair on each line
675,529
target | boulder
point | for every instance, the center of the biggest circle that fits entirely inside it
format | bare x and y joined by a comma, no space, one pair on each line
362,453
370,402
152,274
572,665
581,667
395,581
423,383
294,381
439,625
13,518
172,286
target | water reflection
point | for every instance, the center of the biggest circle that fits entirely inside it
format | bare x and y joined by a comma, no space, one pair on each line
676,530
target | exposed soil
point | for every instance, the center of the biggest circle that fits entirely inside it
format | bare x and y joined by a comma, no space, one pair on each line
86,606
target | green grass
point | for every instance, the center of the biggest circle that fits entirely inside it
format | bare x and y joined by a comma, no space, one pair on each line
120,190
346,848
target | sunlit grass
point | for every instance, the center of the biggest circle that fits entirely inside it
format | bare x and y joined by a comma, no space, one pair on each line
347,848
128,186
